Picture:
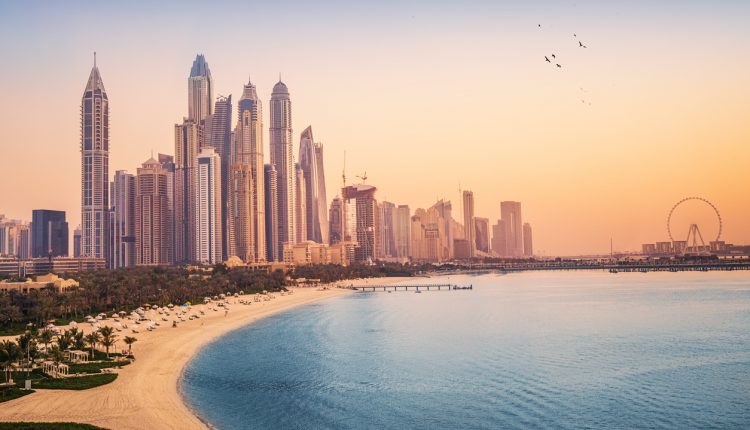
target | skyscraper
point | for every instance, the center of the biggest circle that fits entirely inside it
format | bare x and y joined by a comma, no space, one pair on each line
217,134
49,233
469,230
311,161
94,168
300,204
336,221
200,90
208,222
167,162
273,253
482,234
123,253
283,160
445,209
186,142
499,243
360,213
246,231
510,213
403,231
528,247
77,242
152,215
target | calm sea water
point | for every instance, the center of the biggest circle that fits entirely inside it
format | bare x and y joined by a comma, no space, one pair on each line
564,350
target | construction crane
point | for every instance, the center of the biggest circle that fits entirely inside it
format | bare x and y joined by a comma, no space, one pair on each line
363,177
343,171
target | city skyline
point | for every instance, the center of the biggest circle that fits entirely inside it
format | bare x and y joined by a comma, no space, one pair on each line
549,169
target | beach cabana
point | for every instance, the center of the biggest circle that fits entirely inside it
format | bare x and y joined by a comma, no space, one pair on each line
77,356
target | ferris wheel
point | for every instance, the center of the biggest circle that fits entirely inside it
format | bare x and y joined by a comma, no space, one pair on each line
694,242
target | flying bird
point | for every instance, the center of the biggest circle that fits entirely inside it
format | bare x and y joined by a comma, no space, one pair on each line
547,59
540,25
559,66
553,56
580,44
574,35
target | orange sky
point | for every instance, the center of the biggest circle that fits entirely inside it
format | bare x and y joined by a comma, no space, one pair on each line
422,97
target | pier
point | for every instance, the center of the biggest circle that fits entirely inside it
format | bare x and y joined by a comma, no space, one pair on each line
415,287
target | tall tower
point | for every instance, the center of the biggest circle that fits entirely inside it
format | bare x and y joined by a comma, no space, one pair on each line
123,253
272,214
300,204
217,134
246,203
336,221
186,143
469,232
283,160
152,215
200,90
208,221
95,168
311,161
510,213
528,246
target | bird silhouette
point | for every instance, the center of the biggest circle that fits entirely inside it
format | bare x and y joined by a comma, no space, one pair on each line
553,56
574,35
580,44
547,59
539,25
559,66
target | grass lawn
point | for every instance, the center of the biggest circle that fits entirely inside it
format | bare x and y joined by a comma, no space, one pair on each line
42,381
12,393
47,426
96,367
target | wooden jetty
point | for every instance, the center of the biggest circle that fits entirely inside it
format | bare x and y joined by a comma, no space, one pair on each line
413,287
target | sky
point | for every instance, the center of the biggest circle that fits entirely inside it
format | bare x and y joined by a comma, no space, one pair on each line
426,97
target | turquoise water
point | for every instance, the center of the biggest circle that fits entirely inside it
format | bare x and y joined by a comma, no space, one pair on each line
567,350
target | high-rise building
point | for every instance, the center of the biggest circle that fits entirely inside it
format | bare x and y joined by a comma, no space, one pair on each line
300,204
123,252
49,233
469,230
387,230
528,247
499,244
187,143
152,215
167,162
217,134
272,200
360,216
282,159
94,168
482,234
200,90
311,161
510,213
15,238
445,209
246,229
336,221
77,242
208,222
403,231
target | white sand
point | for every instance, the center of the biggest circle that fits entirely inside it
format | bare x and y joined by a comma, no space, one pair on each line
145,394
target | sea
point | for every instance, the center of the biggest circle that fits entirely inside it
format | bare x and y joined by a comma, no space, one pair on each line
531,350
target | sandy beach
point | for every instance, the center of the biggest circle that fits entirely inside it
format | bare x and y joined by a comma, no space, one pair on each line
145,394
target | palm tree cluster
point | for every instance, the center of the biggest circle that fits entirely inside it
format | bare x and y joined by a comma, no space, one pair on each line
127,289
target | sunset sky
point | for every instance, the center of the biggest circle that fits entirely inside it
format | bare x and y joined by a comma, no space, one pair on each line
424,96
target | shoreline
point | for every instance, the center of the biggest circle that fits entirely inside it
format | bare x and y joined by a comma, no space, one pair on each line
146,393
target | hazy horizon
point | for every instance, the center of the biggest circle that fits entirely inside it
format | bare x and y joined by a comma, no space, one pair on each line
423,96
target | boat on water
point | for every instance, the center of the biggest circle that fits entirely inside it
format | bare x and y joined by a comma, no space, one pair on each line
418,291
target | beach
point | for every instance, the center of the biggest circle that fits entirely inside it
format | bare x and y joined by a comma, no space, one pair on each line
146,393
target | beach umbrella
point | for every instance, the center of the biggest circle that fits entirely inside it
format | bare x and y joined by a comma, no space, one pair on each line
123,313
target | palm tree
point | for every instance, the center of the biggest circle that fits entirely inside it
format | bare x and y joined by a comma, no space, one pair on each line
45,336
129,341
108,337
9,353
92,339
64,340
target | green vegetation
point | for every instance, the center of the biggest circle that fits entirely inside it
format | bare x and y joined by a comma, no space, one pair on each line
47,426
96,367
12,393
41,381
126,289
